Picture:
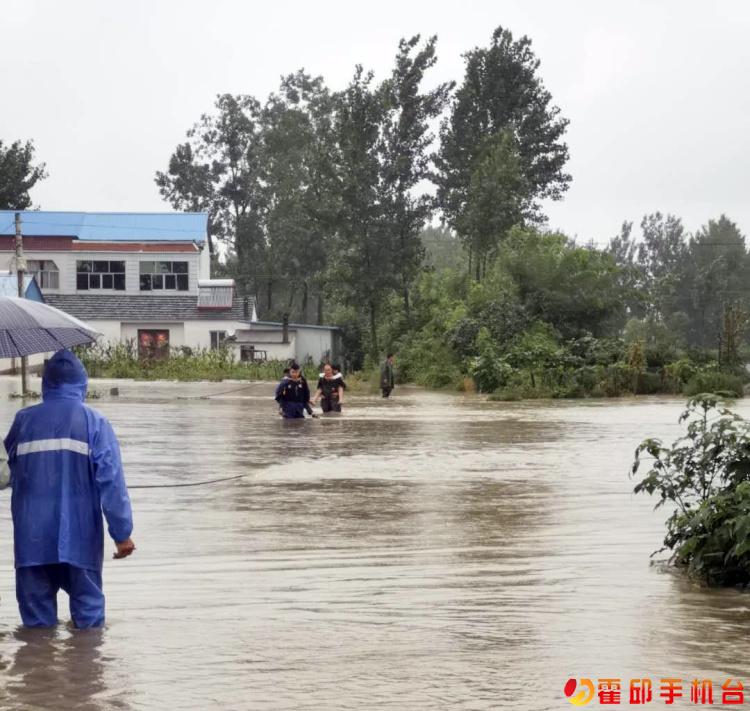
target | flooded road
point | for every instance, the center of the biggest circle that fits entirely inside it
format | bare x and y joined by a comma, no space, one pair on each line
426,552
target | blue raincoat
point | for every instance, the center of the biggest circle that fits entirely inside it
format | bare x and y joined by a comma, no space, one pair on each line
65,470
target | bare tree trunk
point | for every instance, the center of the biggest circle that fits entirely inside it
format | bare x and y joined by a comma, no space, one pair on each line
407,305
320,308
269,295
305,294
291,300
373,331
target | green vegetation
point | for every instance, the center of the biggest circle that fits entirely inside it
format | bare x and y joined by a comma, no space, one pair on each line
18,175
121,361
705,475
319,200
548,320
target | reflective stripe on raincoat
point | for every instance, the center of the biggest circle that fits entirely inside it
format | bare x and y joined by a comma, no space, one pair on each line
65,470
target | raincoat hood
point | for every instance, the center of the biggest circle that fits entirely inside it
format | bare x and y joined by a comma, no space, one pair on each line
64,377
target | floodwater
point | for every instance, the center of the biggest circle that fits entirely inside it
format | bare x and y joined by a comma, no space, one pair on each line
427,552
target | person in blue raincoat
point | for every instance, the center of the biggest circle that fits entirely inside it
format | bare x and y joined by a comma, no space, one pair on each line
293,394
65,471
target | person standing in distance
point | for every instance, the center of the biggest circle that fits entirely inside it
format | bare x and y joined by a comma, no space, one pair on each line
65,471
386,375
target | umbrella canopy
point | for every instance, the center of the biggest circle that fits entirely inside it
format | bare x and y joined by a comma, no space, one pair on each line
28,327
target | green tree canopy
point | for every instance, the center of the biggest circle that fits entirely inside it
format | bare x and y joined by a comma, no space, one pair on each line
501,91
18,175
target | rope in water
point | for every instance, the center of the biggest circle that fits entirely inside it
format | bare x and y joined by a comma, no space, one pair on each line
191,483
223,392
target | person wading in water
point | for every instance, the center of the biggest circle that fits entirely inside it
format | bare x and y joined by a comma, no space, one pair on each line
293,394
65,472
386,375
330,390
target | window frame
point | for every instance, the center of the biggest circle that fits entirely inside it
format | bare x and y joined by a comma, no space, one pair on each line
217,339
92,275
162,273
43,273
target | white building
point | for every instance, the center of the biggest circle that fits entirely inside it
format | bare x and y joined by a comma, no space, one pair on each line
144,277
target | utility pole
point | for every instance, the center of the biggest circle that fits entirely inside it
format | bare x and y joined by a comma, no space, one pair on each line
20,269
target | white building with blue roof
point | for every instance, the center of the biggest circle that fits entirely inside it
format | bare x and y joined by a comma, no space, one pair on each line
146,277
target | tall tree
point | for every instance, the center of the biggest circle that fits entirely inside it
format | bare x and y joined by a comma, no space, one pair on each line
624,250
301,204
501,91
360,266
222,169
406,138
495,200
661,256
18,175
715,277
191,186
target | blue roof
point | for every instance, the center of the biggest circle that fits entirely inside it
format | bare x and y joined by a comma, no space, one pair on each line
109,226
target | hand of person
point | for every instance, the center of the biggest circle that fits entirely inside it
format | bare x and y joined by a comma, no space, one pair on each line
124,548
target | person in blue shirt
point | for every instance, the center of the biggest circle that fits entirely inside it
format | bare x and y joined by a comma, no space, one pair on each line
293,394
65,471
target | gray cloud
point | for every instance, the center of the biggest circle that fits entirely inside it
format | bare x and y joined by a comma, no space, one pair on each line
655,92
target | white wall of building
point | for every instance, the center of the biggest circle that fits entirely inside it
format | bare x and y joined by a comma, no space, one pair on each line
198,332
204,264
313,343
193,333
110,330
198,268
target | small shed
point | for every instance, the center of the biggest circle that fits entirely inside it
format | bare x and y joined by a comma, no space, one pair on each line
272,340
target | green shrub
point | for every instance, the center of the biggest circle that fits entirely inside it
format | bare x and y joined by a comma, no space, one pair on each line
650,383
705,475
509,394
714,382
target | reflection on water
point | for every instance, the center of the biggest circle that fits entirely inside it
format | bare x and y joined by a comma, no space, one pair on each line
55,669
430,551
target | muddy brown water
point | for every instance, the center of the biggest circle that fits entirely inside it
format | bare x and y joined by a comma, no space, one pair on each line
426,552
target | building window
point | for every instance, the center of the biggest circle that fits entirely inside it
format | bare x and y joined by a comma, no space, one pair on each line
153,345
102,274
252,354
164,276
217,339
46,272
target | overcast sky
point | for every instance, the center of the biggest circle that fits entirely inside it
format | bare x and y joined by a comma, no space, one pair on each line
656,92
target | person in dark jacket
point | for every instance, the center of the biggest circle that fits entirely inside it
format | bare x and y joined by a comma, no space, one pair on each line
386,375
65,471
293,394
330,390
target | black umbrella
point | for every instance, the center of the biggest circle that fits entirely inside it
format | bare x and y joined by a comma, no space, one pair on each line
28,327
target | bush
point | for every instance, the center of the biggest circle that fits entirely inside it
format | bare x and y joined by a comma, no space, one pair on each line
706,476
509,394
714,382
488,369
